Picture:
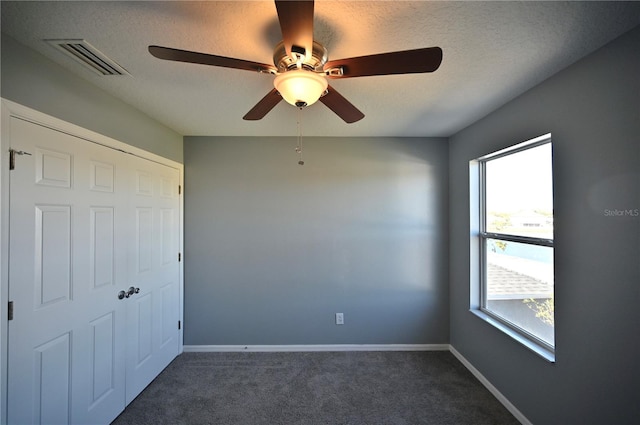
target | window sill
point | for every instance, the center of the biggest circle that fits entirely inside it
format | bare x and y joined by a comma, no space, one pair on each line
543,352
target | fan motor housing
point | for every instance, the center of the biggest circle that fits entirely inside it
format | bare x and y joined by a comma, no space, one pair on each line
284,62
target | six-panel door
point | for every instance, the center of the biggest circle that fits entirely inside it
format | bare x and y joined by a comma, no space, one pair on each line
78,236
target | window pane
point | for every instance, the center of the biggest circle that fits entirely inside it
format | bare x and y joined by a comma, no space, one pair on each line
519,193
520,286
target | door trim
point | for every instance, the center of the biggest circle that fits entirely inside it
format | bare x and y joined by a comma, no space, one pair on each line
11,109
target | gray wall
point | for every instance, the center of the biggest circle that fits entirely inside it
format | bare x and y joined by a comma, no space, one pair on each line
592,110
274,249
30,79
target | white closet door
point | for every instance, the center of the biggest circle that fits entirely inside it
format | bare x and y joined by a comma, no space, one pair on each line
152,316
67,337
87,222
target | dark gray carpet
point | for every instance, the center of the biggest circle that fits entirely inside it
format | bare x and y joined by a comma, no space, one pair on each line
316,388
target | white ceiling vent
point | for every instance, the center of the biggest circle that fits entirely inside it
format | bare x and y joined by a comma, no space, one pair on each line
89,56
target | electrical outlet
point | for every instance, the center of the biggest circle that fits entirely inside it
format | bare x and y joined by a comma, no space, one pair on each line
339,319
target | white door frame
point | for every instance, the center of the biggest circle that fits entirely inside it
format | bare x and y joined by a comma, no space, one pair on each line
12,109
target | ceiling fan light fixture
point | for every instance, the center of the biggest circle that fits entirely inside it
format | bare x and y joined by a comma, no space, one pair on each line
300,87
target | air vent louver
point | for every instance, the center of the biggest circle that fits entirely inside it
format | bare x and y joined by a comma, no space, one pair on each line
89,56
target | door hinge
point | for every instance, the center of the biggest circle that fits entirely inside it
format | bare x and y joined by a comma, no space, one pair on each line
179,325
179,257
179,190
12,157
10,310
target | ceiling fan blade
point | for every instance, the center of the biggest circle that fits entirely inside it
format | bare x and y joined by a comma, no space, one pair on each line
296,23
178,55
341,106
263,107
404,62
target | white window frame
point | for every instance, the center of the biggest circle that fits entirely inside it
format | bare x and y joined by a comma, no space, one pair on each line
479,236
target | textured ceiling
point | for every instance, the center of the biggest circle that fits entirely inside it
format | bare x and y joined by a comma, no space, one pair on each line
493,51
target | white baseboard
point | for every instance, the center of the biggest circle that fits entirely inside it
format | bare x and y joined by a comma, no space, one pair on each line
493,390
300,348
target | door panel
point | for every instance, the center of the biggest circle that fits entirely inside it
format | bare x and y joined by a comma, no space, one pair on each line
143,232
144,335
101,176
53,380
67,340
101,246
167,244
167,313
52,259
43,335
155,205
53,168
102,357
144,182
166,281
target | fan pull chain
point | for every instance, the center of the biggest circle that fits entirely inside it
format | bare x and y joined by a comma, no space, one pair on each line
299,143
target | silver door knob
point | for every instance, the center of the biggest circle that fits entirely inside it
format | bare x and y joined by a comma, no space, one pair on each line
130,292
121,295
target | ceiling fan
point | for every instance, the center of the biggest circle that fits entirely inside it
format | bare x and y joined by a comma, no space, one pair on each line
302,66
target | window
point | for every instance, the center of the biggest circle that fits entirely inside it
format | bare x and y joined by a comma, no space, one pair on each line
512,227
